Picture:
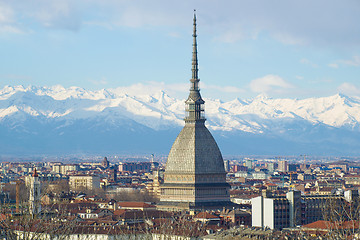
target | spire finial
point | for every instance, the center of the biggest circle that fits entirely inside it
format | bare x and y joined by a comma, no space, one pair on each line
194,68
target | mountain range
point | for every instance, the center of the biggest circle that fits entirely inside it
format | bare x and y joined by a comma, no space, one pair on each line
58,120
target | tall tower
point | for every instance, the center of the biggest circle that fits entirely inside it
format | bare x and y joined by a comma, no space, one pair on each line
34,198
194,176
105,163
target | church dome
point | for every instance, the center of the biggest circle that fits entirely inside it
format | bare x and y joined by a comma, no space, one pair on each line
195,151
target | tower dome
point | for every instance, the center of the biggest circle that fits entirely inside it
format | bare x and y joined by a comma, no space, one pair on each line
195,151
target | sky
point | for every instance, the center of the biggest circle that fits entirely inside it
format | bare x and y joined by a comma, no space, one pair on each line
280,48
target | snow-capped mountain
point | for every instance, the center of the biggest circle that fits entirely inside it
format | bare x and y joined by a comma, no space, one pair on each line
58,119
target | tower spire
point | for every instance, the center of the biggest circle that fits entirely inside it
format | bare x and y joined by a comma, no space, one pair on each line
194,69
194,104
196,156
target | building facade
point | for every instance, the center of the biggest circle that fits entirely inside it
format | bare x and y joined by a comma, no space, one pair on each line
135,166
194,177
283,166
278,212
84,182
65,168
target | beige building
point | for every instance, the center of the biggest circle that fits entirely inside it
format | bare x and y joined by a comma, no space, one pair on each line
84,182
283,166
154,187
65,168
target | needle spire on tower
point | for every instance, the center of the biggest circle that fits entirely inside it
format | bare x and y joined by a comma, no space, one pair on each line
194,104
194,69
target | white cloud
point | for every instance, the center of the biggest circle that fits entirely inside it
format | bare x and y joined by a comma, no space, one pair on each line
7,20
62,14
289,39
6,14
288,22
146,13
269,84
102,81
96,23
231,35
176,90
349,89
174,34
355,61
333,65
224,89
10,29
285,22
16,77
299,77
308,62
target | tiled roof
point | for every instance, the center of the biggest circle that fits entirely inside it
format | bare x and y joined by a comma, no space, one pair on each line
135,205
332,225
119,211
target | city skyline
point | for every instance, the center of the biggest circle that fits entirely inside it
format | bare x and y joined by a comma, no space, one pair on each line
280,49
53,183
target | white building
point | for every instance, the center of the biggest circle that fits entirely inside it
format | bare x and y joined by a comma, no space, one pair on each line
82,182
65,168
34,197
293,209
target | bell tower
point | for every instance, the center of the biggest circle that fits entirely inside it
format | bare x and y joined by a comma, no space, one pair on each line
34,198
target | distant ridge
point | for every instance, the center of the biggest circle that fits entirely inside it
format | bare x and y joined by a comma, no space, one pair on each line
69,120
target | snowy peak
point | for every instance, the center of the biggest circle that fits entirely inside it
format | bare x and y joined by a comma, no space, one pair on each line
57,119
160,111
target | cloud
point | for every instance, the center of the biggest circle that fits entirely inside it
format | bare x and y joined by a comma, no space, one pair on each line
269,84
174,34
299,77
7,20
333,65
224,89
288,39
145,13
321,81
96,23
290,22
57,14
308,62
355,61
16,77
102,81
6,14
232,35
178,90
154,87
349,89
